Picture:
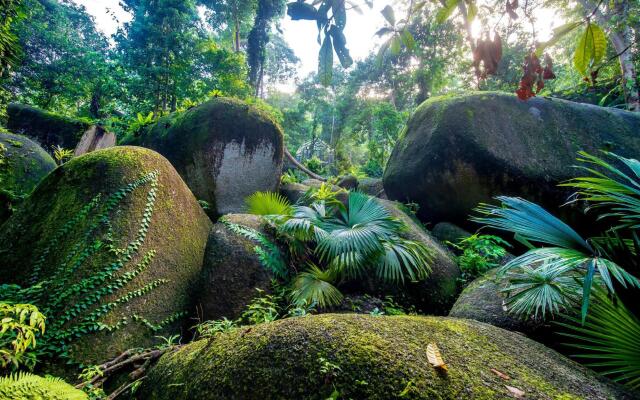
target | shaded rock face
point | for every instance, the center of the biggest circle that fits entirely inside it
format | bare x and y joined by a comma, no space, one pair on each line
482,301
95,138
288,359
23,164
293,191
115,228
224,149
46,128
460,151
232,270
438,292
448,232
372,187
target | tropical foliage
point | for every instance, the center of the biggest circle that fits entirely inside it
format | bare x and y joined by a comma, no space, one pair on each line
345,242
585,280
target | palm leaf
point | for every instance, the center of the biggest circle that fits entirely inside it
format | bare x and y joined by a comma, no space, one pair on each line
609,340
548,289
316,286
268,203
531,222
404,258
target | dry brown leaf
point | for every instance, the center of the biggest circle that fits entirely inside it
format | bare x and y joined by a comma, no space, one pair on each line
501,374
435,358
517,393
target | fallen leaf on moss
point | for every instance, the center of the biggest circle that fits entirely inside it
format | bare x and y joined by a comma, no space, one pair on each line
434,357
501,374
517,393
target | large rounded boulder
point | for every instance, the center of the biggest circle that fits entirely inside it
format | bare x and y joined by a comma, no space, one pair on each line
46,128
369,357
224,149
109,246
23,164
459,151
233,265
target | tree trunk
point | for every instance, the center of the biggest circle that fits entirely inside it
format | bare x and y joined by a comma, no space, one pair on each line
301,167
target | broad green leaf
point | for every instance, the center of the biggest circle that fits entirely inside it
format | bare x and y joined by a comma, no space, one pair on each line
382,52
408,40
558,33
389,15
396,45
325,61
591,48
445,12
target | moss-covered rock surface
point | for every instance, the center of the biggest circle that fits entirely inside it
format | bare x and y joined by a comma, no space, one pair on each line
46,128
224,149
111,246
459,151
367,357
23,164
232,268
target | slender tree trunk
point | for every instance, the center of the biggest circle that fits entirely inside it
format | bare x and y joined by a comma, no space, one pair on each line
301,167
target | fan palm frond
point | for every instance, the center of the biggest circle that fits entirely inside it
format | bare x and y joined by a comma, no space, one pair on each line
609,340
548,289
535,224
530,222
316,286
268,203
619,193
404,258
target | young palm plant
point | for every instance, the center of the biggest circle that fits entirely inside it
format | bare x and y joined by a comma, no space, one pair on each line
553,278
345,242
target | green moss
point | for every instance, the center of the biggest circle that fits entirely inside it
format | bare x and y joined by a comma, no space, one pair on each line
367,357
47,128
177,233
22,165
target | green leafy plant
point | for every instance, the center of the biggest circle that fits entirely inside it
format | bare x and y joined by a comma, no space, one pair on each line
267,203
23,385
609,340
141,121
209,329
479,253
19,326
288,177
346,243
397,31
575,270
263,308
568,253
61,154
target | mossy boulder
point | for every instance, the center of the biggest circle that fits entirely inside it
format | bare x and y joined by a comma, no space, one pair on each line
438,292
448,232
369,357
293,191
23,163
459,151
232,268
117,239
224,149
46,128
481,301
